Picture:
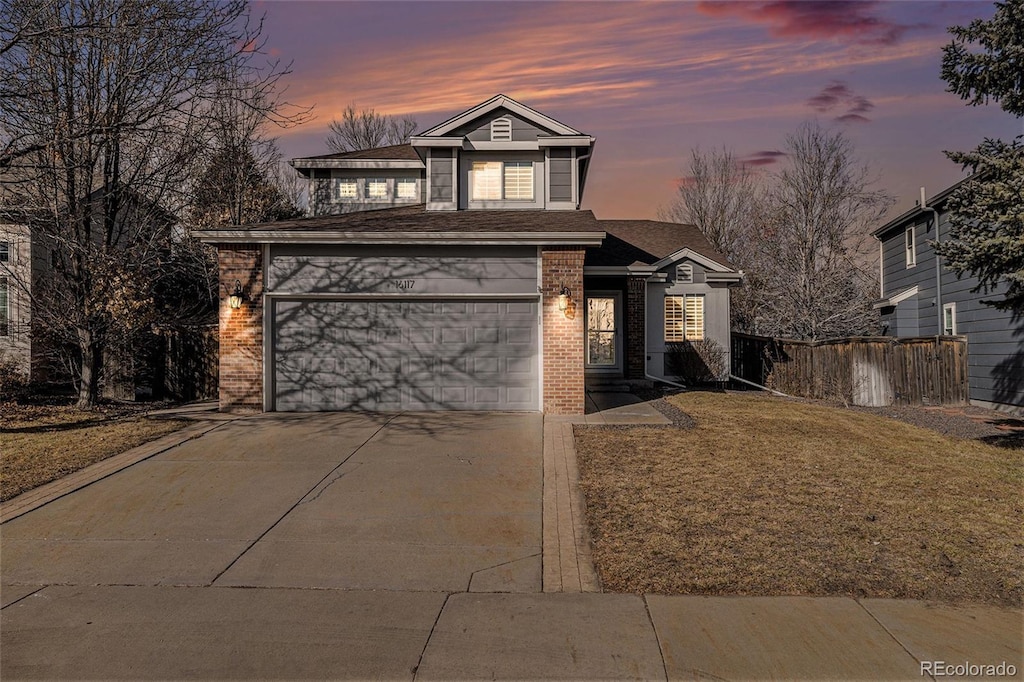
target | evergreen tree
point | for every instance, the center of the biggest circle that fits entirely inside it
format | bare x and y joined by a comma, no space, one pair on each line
985,62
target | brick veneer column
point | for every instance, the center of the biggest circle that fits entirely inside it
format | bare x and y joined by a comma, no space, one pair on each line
635,311
241,330
563,337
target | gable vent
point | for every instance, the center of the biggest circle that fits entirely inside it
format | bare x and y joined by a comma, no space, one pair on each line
501,130
684,273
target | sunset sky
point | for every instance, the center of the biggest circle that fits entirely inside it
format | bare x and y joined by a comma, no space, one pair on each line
651,80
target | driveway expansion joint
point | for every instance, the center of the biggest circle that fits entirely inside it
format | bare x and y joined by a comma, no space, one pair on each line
300,500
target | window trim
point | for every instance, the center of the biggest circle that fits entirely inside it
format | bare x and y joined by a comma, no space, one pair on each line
910,246
949,308
6,250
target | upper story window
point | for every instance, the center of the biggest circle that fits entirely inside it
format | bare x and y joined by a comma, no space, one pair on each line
347,188
684,273
376,188
406,188
5,252
501,130
519,180
497,180
684,318
910,247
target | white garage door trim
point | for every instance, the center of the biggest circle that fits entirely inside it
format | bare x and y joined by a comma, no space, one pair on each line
269,313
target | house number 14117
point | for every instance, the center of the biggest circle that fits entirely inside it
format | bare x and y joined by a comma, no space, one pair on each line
403,283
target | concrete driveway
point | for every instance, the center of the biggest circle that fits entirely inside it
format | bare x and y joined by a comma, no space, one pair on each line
422,502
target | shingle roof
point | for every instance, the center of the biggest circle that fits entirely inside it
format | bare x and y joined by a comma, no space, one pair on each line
648,241
396,152
417,219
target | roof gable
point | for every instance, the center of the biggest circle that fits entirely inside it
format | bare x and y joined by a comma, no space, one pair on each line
480,110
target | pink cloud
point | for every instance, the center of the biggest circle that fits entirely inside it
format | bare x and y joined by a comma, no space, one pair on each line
855,20
837,94
763,158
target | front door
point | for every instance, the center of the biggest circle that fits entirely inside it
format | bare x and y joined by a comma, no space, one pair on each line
603,341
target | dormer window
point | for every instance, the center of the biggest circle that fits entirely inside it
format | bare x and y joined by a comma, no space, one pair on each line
501,130
684,274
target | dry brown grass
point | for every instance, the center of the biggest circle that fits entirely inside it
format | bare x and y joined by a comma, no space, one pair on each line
39,444
773,497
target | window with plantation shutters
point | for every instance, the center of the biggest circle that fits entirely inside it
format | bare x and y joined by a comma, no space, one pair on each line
694,318
406,188
347,189
497,180
519,180
674,318
486,180
376,188
684,318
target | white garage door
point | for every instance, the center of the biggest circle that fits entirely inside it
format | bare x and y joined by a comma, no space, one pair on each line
441,354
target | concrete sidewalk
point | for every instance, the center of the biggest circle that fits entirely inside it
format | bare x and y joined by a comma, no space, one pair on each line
118,632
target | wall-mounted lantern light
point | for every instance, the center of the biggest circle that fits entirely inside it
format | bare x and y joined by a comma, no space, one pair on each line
235,299
564,299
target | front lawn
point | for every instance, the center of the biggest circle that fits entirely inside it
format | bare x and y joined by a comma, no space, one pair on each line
767,496
41,443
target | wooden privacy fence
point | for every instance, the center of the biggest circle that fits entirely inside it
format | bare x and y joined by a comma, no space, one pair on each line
188,363
872,371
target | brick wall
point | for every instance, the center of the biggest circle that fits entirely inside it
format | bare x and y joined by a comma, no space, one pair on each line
241,330
563,337
635,311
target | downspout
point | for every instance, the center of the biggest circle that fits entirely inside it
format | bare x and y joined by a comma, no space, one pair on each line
938,267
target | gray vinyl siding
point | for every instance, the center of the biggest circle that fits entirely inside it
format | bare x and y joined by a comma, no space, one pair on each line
302,269
441,163
716,315
479,130
560,174
995,341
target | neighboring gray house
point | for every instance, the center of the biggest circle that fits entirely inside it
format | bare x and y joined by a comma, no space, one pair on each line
458,272
917,299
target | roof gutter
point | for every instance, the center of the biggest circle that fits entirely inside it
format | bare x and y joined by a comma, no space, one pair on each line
242,236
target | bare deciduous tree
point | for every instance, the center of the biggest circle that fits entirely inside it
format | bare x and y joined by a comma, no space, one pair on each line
720,197
107,108
813,260
801,236
366,129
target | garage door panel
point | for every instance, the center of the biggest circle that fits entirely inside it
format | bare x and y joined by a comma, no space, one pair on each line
405,355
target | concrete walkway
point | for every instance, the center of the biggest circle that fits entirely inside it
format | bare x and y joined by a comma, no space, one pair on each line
285,615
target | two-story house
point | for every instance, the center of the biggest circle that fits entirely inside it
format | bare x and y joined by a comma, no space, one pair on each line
458,272
919,296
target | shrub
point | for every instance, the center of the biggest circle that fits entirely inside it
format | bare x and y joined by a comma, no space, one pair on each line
702,361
